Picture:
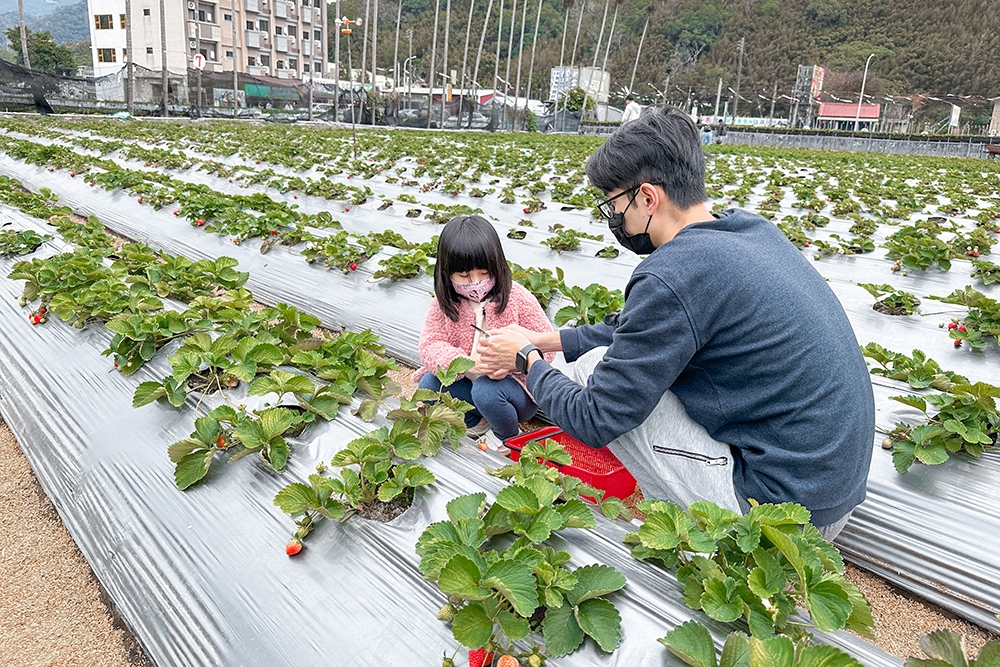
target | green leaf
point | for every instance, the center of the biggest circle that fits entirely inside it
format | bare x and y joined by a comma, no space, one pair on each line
912,401
691,642
192,468
515,583
945,645
904,454
294,498
600,620
736,651
460,577
471,626
275,421
468,506
775,651
721,600
767,578
518,499
661,529
562,633
182,448
821,655
828,605
594,581
147,392
513,626
277,454
207,430
989,655
576,514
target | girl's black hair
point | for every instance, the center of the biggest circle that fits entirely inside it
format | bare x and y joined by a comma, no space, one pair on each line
470,242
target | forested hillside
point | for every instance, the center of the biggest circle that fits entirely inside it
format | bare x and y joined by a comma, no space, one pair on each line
920,46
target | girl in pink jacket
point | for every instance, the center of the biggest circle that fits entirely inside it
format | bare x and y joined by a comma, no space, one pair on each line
473,288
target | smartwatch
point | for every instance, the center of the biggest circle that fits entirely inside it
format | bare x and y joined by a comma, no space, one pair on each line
521,360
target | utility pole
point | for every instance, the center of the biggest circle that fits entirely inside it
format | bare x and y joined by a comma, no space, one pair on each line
739,73
430,78
24,35
718,96
236,82
774,96
129,70
336,58
165,80
409,72
374,54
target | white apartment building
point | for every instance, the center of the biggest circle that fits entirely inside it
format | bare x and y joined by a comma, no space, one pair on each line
280,38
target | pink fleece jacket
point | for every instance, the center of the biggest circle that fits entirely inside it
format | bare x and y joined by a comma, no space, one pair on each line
442,339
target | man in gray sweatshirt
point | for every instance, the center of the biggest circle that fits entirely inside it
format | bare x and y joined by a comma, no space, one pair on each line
732,372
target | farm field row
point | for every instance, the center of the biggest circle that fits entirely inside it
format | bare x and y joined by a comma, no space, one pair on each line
859,242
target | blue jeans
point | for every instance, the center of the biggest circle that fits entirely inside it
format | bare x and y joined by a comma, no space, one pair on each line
503,403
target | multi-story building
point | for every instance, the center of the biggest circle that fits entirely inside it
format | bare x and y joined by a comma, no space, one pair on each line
280,38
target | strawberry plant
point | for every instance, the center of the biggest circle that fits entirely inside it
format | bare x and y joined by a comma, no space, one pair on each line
563,240
608,252
590,304
692,643
139,335
516,234
918,371
891,301
946,648
403,265
435,416
337,251
981,323
323,400
761,566
368,474
501,592
14,243
542,283
918,247
986,271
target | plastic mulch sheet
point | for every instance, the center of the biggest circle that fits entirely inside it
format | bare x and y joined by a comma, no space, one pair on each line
910,530
200,576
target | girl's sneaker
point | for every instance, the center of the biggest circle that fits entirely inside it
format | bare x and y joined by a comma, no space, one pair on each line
491,441
479,430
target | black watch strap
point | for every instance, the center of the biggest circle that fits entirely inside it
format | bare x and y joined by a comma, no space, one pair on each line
521,360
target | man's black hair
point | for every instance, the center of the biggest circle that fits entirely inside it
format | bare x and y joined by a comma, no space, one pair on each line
629,97
663,148
470,242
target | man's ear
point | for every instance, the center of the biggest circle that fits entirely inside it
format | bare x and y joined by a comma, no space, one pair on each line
652,197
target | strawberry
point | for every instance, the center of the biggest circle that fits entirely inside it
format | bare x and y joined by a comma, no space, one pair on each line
201,223
354,267
295,196
43,310
806,245
347,208
527,210
479,657
447,662
116,364
221,442
961,327
72,175
140,200
293,547
447,613
273,233
507,661
958,343
176,212
535,660
952,325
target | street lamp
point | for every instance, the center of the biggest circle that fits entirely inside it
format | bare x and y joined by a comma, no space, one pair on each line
344,24
864,79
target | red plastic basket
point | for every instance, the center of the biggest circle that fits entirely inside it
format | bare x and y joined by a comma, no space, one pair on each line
597,467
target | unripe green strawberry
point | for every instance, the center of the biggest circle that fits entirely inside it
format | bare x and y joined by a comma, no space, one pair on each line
535,660
447,662
447,613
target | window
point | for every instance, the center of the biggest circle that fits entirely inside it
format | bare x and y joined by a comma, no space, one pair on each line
229,54
103,22
251,61
277,30
293,63
280,64
305,68
105,55
316,4
265,61
205,17
124,54
292,31
251,26
145,12
149,50
123,20
227,17
318,35
263,25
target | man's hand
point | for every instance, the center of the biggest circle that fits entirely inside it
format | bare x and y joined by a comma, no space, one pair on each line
499,351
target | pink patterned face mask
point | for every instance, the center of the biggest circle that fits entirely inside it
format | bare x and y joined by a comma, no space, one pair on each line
474,291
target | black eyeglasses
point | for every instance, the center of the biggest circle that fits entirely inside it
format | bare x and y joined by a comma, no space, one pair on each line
607,208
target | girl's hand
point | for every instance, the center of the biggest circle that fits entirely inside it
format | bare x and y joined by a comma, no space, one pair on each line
517,328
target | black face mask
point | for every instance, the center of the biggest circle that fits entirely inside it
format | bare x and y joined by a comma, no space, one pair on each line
640,244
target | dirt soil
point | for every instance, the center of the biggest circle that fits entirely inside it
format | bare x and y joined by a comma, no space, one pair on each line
51,601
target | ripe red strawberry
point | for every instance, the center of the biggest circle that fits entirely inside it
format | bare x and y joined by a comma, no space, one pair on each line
346,209
43,310
273,233
958,343
201,223
527,210
221,442
140,200
952,325
507,661
72,175
36,319
295,196
176,212
116,364
354,267
806,245
293,547
961,327
479,657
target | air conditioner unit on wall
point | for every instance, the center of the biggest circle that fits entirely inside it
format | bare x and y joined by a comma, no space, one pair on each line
193,44
192,5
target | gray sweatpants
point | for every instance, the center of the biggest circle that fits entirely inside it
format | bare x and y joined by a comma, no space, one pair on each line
673,457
